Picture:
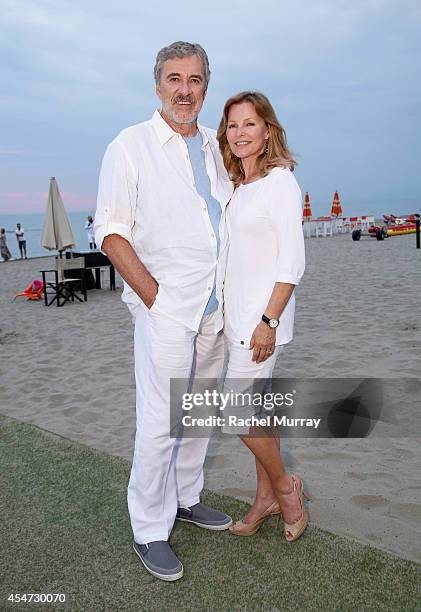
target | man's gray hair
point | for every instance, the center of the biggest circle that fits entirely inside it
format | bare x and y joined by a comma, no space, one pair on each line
181,49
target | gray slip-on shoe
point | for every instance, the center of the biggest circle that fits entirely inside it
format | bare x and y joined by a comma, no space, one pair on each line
160,560
205,517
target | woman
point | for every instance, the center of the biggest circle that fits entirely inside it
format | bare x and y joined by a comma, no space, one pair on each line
89,227
265,262
4,251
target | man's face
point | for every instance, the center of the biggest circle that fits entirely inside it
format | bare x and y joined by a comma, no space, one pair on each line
182,89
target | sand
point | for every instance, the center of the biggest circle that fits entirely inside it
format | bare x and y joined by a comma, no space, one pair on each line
70,370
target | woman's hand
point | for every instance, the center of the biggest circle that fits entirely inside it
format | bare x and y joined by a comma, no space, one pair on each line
262,342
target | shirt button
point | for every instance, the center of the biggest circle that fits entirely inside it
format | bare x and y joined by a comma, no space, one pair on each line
241,341
209,288
212,235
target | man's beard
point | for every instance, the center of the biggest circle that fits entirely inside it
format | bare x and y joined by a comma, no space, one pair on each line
171,112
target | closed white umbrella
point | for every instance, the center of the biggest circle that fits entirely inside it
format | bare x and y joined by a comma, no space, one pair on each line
57,234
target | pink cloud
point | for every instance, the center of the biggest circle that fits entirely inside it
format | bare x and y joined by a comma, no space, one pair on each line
36,201
78,201
13,195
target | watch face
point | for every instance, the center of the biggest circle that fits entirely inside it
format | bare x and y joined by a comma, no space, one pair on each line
273,323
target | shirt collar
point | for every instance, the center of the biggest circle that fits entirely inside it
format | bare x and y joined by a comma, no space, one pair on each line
165,132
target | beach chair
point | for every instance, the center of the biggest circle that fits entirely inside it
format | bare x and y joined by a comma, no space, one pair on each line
60,287
33,291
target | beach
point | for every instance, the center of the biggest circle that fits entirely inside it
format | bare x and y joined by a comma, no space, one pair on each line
33,224
70,371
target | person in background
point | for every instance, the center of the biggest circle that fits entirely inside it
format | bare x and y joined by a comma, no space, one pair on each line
89,226
4,251
20,237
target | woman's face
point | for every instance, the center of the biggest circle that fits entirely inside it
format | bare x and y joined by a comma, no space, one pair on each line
246,131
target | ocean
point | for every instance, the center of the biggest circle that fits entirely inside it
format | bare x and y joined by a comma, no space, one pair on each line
32,223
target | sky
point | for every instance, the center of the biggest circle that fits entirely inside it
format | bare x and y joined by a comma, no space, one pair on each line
344,78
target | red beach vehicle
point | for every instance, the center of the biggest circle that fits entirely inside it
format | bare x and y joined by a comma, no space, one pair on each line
394,226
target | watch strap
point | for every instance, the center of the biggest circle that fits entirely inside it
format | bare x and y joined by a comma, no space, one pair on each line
273,323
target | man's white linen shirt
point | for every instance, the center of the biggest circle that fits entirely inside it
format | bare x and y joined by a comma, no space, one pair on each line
266,245
147,195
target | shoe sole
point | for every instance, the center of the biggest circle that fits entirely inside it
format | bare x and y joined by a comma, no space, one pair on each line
253,532
165,577
244,535
204,526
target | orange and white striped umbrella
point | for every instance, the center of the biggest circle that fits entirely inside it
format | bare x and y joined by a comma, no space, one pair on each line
340,211
307,214
336,210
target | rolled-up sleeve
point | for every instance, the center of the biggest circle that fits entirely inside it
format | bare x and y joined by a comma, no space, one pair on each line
286,215
117,195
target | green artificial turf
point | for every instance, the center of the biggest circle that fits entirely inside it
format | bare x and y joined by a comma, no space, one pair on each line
64,529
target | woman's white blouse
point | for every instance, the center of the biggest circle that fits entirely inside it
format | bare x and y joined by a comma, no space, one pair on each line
266,245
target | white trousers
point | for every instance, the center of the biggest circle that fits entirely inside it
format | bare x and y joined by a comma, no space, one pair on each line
166,472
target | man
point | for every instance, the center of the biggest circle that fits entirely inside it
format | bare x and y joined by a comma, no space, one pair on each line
89,227
162,193
20,237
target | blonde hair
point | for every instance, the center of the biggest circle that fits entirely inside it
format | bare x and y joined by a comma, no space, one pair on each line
276,152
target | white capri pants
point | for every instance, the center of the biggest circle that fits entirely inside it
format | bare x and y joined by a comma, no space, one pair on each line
166,472
240,374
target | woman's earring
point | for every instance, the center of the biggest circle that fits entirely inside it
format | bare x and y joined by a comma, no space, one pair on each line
267,146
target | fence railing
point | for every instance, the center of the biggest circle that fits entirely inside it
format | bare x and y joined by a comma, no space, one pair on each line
329,226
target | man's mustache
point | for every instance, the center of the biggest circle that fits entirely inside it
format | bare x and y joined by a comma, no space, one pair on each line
179,99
